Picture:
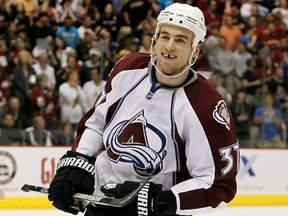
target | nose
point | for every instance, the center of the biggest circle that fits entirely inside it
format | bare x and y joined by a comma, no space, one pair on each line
170,45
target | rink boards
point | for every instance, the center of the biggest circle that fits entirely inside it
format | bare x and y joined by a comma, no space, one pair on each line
262,178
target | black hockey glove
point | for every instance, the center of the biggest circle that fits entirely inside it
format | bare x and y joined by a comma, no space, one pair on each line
147,203
75,174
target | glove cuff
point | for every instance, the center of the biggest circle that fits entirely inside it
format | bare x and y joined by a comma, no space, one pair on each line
167,203
147,199
77,160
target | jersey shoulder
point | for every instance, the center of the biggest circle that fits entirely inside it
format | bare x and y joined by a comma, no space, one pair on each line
130,62
211,108
202,90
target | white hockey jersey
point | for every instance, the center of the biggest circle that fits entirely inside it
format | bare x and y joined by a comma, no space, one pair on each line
135,119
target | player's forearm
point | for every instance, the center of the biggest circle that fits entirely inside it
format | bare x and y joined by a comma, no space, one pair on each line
201,198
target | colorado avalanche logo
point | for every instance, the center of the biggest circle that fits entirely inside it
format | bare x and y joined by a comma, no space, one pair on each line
221,114
131,141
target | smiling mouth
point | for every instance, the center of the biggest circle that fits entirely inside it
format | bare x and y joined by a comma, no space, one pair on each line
169,56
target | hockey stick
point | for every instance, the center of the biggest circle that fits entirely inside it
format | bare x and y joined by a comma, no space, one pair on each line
99,200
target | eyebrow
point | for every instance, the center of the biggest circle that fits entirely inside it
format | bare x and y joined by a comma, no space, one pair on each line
181,36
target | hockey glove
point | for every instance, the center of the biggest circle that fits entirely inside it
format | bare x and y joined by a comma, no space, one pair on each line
146,203
75,174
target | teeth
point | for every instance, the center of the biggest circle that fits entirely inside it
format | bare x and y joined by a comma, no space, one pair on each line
168,56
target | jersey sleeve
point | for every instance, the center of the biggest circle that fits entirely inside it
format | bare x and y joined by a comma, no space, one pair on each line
210,151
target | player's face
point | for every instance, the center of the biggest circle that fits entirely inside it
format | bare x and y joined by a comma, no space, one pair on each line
173,49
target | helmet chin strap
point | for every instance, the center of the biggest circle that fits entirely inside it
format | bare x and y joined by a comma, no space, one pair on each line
154,58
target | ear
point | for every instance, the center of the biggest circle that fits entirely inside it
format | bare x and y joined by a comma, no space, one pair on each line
197,50
154,41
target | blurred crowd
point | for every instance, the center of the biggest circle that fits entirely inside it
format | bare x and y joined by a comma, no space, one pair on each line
56,55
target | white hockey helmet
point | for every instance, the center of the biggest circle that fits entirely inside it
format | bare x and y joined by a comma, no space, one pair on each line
185,16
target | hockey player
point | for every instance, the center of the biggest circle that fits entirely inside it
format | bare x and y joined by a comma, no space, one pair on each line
152,104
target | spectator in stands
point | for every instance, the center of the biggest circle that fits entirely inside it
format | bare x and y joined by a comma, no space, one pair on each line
251,82
85,26
65,134
94,61
19,16
278,83
231,32
10,35
4,90
280,53
85,44
13,108
215,80
212,14
73,53
118,4
85,7
266,69
108,48
134,11
270,32
93,87
154,8
71,64
3,55
5,16
146,26
235,13
49,6
101,5
71,99
94,12
44,102
23,81
37,135
241,110
253,23
145,43
20,43
213,39
60,52
110,20
40,30
241,56
42,66
65,11
124,32
278,86
7,121
222,61
268,117
30,7
249,38
250,8
270,37
282,9
9,135
68,32
5,71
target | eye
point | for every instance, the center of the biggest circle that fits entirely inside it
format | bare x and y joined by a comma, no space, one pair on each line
180,40
166,37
